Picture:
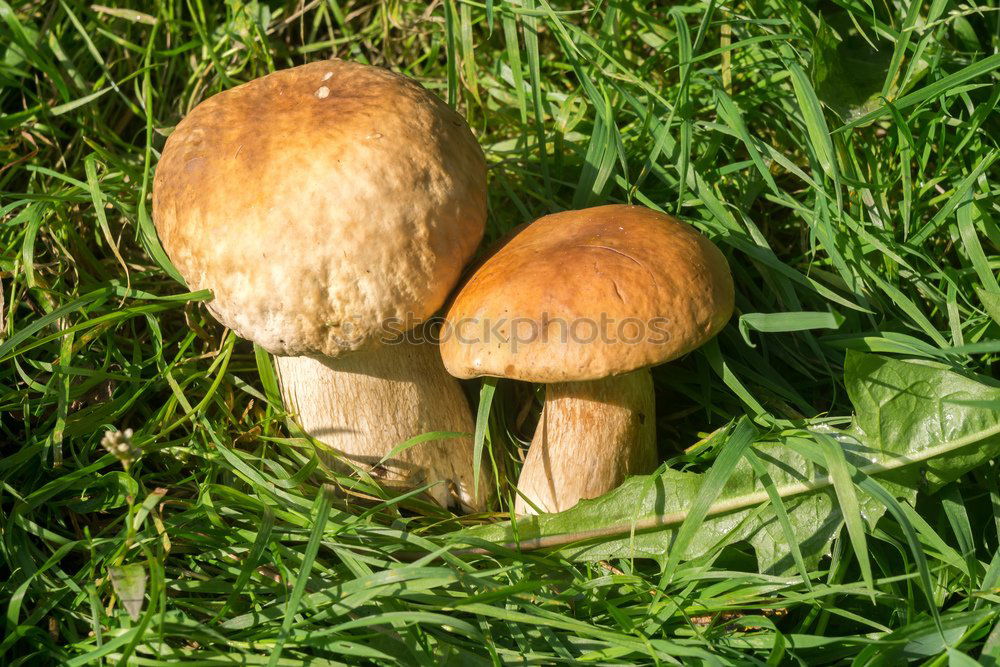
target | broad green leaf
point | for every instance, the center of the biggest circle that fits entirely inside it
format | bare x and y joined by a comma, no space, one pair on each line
958,659
974,70
129,583
906,408
105,492
848,69
913,420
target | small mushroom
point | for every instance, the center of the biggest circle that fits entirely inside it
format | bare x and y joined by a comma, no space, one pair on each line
331,207
585,302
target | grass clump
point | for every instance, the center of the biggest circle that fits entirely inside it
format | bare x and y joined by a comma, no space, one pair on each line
844,156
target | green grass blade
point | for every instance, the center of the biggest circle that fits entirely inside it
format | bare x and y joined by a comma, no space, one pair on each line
321,513
740,438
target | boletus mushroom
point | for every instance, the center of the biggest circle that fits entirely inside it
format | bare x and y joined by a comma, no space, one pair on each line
329,208
585,302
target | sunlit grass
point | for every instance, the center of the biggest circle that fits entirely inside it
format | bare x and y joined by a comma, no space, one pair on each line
853,189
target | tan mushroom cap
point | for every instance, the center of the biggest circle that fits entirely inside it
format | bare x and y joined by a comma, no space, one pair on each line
534,310
321,204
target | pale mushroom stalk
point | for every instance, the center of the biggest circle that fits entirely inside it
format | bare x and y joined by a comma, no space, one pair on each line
591,435
364,404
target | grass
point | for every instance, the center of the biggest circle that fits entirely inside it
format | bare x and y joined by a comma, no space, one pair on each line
842,153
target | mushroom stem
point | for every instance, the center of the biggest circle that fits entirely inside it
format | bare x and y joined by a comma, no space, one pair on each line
591,435
364,404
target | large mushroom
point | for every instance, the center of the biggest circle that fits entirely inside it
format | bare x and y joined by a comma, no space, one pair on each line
329,208
585,302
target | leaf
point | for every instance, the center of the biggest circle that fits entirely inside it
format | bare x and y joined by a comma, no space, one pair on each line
922,639
657,506
97,198
784,322
977,69
479,437
105,492
991,303
911,418
151,242
966,34
781,514
730,113
958,659
61,109
714,481
848,505
906,408
877,491
848,69
991,648
321,511
129,584
268,377
420,439
812,115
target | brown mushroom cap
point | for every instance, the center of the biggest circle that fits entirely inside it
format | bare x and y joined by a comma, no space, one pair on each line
625,263
321,203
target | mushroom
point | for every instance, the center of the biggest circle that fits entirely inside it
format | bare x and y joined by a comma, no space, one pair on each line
585,302
330,208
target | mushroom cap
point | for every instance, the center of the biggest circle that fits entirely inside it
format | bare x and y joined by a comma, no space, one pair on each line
326,205
583,295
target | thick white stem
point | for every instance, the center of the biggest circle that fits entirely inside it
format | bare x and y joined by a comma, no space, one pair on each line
591,435
366,403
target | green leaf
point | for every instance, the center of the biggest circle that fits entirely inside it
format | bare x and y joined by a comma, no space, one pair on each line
268,377
785,322
812,115
841,475
848,69
420,439
729,113
912,419
958,659
715,480
781,514
991,648
129,584
905,408
976,69
922,639
321,511
105,492
482,423
991,303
